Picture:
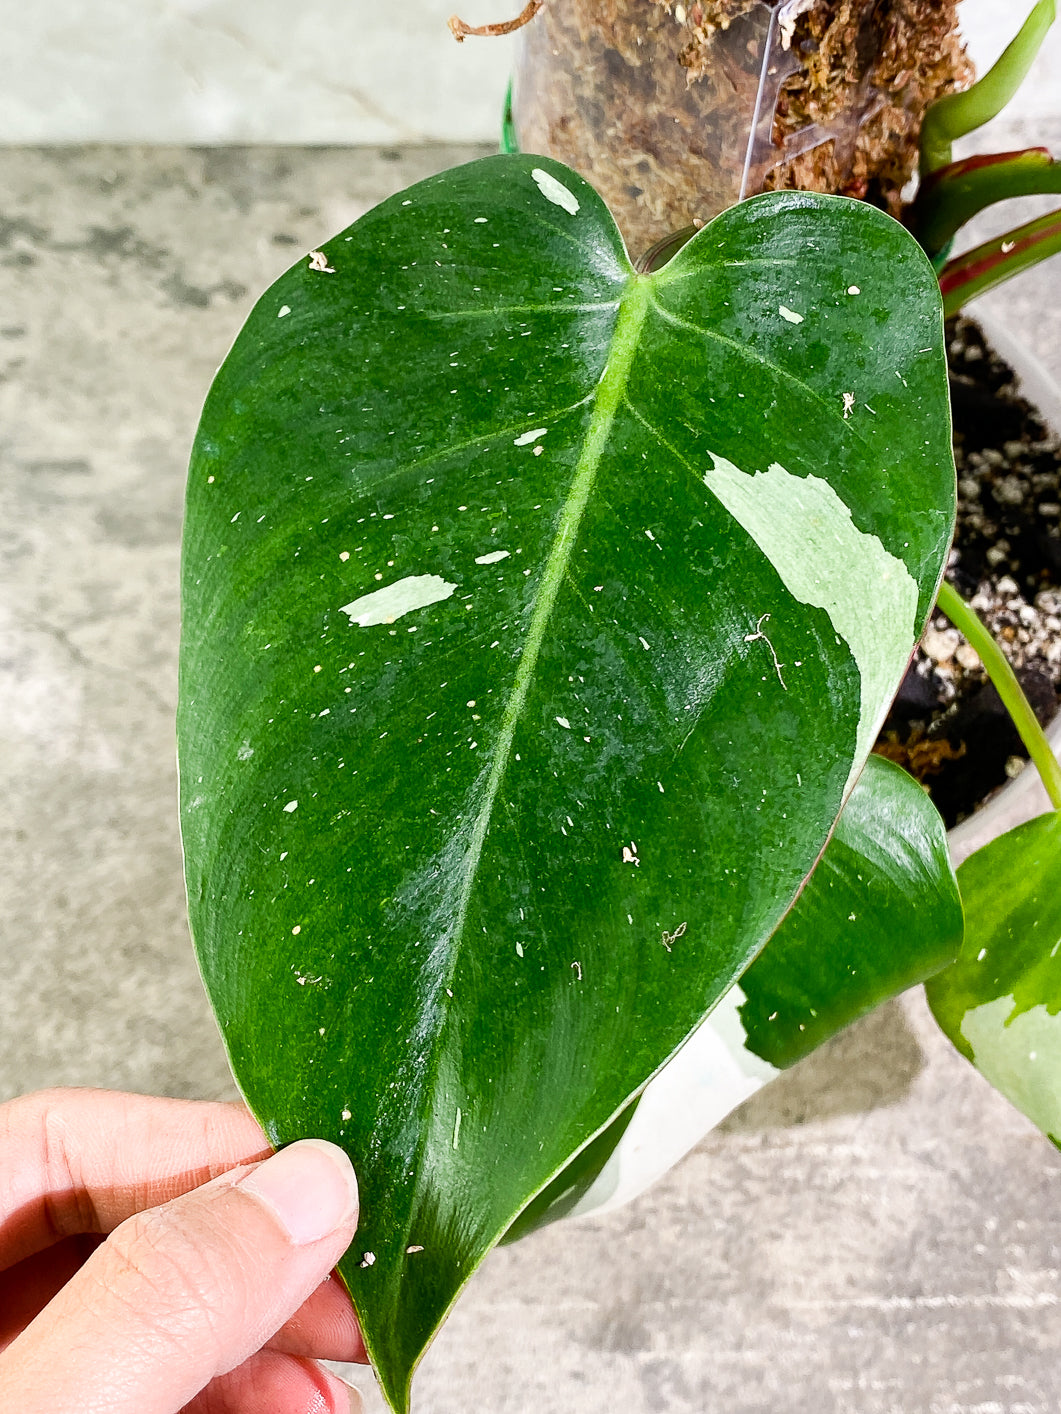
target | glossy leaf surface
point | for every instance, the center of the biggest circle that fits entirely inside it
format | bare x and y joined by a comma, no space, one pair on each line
1000,1003
534,610
880,913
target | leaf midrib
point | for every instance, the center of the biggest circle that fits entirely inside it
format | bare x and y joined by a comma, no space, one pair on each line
610,392
609,395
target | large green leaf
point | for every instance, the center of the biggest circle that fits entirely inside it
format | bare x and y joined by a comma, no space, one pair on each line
534,609
879,914
1001,1001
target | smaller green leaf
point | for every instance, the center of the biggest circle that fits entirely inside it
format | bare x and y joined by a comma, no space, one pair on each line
569,1188
1001,1000
958,114
880,914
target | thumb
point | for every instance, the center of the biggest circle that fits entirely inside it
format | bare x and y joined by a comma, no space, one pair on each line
182,1293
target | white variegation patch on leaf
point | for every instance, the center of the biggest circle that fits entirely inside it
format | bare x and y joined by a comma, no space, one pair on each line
1001,1001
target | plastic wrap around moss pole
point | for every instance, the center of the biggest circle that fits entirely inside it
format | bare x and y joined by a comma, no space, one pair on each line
675,112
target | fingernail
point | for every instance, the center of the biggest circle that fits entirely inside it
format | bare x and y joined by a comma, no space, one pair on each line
353,1396
309,1187
345,1395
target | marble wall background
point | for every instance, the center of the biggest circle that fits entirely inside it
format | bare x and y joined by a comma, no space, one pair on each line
265,71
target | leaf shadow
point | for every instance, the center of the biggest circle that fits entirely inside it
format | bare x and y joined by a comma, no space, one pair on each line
872,1063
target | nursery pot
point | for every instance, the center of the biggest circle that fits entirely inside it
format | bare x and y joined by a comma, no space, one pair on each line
713,1073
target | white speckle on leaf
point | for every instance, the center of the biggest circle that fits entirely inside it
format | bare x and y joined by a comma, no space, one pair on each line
369,1259
344,555
789,314
291,806
493,558
853,290
646,646
519,949
564,723
526,438
849,405
296,930
347,1115
284,311
319,261
630,855
555,191
384,606
457,1127
576,967
245,752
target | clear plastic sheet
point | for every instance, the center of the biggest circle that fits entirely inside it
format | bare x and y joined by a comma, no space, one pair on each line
605,86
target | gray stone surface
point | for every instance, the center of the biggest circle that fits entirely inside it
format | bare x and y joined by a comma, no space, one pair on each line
225,71
876,1232
350,71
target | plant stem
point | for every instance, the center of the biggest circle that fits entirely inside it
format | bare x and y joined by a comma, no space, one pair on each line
998,260
964,618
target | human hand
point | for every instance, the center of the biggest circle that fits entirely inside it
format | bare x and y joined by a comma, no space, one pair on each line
212,1292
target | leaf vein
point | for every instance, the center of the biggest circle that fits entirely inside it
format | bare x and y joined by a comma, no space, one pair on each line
751,355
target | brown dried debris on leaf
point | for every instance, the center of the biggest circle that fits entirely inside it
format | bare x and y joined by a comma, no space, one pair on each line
460,30
653,100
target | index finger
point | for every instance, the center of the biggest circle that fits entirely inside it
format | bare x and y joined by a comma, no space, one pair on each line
82,1161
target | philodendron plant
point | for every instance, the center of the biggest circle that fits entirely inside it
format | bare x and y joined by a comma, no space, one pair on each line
541,613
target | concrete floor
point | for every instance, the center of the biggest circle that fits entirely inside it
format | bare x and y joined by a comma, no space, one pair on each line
877,1232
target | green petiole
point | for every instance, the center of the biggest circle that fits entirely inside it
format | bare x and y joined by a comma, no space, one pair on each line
964,618
958,114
